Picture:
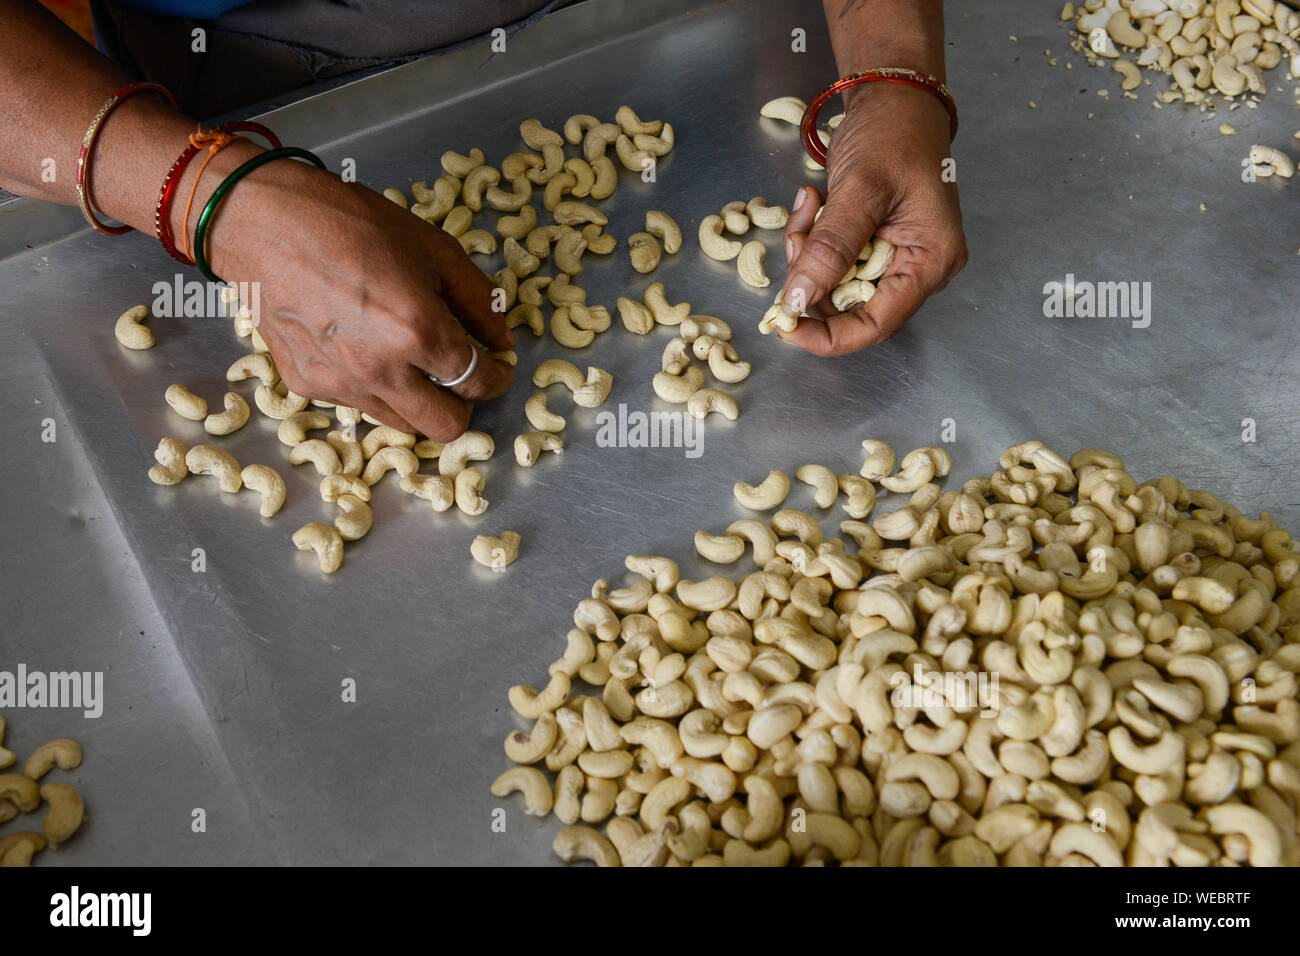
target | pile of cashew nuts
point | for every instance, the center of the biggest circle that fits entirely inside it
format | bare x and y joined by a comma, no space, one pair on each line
1135,648
348,464
736,218
24,793
1206,47
471,186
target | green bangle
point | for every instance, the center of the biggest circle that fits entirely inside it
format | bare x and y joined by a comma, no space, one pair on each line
201,230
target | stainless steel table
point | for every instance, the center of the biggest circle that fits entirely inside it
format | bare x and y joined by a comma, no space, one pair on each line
224,688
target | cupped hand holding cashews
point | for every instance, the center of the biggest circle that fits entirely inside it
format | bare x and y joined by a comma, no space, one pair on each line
770,691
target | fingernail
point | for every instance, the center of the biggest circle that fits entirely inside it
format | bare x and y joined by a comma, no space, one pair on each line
800,198
797,295
789,250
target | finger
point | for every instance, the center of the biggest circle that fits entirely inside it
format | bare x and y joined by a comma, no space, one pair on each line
381,411
803,211
897,297
830,250
793,244
447,353
468,292
433,411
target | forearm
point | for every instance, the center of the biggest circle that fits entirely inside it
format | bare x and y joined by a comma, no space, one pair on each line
875,33
54,83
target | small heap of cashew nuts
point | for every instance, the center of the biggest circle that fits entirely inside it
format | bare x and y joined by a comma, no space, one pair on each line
24,793
1206,47
736,218
1052,665
349,465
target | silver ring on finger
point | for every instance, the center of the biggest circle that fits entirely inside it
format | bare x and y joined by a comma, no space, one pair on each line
473,364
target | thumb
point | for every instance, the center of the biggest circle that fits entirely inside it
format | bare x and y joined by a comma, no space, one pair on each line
829,249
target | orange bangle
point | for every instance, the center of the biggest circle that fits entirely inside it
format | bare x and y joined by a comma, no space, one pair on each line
215,140
84,157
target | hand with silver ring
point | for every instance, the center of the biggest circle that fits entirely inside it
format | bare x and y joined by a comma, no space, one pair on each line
370,307
473,364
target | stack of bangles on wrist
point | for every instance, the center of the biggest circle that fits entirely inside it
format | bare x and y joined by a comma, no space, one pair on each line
213,141
887,74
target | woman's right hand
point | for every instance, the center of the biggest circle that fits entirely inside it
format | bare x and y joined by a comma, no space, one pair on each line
360,301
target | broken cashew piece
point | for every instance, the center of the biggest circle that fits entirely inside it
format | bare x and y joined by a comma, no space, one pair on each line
495,553
1270,161
324,540
171,467
596,390
469,486
787,109
530,445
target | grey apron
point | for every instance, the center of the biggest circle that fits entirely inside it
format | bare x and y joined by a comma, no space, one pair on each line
270,47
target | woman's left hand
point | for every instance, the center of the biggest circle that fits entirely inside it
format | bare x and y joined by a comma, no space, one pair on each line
885,178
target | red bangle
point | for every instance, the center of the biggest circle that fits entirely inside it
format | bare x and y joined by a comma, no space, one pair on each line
162,208
888,74
84,198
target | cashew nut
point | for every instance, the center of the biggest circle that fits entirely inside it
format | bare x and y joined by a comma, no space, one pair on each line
644,251
713,243
171,467
324,540
267,482
750,264
767,494
659,223
210,460
496,553
129,330
788,109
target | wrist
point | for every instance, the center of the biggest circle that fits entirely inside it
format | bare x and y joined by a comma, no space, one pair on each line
922,107
200,181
